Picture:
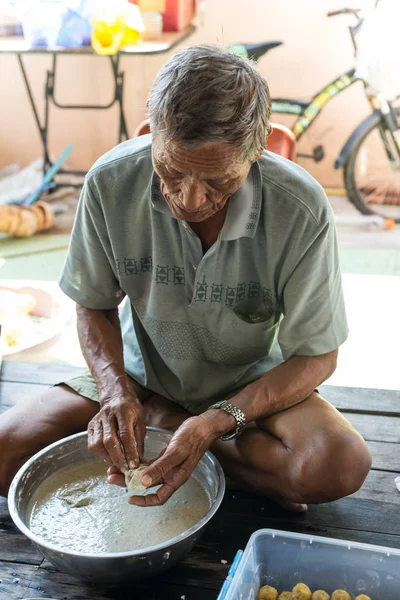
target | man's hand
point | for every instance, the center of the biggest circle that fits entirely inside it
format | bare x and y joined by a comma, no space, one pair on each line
117,432
175,465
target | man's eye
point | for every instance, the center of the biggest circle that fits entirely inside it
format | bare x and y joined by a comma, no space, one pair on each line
220,181
172,172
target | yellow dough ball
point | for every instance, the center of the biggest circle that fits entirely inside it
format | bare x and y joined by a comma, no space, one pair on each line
301,591
285,596
267,593
362,597
320,595
340,595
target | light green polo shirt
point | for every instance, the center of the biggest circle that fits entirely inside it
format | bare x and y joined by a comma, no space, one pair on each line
196,328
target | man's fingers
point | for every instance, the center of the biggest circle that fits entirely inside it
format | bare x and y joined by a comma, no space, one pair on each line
163,494
112,444
113,470
115,477
95,440
158,470
116,480
128,440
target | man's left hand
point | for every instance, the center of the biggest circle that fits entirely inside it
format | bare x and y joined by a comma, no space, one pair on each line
177,462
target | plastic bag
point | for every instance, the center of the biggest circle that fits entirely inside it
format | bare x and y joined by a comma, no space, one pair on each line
76,28
41,20
114,26
55,22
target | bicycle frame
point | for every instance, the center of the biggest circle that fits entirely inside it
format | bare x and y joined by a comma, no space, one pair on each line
308,111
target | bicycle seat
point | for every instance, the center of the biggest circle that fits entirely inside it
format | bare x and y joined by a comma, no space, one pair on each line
255,51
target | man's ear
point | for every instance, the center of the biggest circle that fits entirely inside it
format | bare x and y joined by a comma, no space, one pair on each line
257,156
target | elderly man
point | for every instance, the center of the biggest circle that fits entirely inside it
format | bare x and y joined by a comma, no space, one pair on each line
224,258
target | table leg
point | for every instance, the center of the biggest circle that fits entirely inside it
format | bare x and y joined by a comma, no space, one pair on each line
42,129
119,97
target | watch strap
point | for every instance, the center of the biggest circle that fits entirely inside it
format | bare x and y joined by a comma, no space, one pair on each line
236,413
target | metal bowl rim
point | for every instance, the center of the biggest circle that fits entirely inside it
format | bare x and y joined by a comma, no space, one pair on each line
105,555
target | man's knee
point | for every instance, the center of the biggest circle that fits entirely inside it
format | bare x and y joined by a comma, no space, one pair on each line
334,469
10,462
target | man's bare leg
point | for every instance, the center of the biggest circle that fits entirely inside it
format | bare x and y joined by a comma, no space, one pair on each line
30,426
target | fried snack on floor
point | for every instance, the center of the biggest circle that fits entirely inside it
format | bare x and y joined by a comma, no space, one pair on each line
340,595
320,595
301,591
362,597
267,592
285,596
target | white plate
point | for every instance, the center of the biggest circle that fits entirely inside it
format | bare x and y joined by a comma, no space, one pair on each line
55,309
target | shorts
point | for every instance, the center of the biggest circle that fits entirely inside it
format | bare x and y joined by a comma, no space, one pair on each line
85,386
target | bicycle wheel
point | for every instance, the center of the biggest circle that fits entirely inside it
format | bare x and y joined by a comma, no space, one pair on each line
372,180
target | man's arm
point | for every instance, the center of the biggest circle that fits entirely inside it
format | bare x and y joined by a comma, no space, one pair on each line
100,338
117,432
282,387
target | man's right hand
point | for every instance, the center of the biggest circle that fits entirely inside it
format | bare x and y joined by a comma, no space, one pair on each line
117,432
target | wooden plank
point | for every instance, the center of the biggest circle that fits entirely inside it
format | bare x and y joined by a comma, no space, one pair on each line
376,428
352,513
27,581
11,392
42,373
15,547
379,486
374,401
15,580
385,456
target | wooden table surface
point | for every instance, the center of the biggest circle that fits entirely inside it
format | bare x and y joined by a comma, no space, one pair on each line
372,515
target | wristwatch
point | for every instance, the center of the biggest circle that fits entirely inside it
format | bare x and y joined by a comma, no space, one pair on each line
236,413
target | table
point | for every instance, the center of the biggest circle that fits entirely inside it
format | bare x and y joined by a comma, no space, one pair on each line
20,47
372,515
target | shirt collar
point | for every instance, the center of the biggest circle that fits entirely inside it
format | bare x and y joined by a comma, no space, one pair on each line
243,211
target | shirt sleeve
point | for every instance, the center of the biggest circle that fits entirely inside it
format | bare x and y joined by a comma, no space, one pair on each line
314,320
89,276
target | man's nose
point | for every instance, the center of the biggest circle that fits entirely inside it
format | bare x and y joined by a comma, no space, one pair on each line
193,195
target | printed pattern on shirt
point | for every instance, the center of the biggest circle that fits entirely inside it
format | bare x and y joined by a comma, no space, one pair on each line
204,290
231,295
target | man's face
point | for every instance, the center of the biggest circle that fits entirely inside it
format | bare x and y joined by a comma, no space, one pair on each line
197,183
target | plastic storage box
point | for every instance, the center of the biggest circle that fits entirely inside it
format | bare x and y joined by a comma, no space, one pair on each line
282,559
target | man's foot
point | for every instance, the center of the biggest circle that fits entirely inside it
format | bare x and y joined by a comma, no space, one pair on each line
289,505
283,502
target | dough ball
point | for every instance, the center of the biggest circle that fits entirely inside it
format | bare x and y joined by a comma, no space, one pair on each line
133,477
340,595
362,597
267,593
301,591
285,596
320,595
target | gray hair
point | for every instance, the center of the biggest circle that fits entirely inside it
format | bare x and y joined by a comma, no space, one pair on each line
205,94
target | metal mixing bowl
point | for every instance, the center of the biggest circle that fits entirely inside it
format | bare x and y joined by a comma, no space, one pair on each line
107,567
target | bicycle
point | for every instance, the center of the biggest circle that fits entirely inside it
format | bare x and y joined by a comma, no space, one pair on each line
371,155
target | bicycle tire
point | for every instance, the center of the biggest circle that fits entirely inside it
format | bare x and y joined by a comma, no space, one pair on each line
355,195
